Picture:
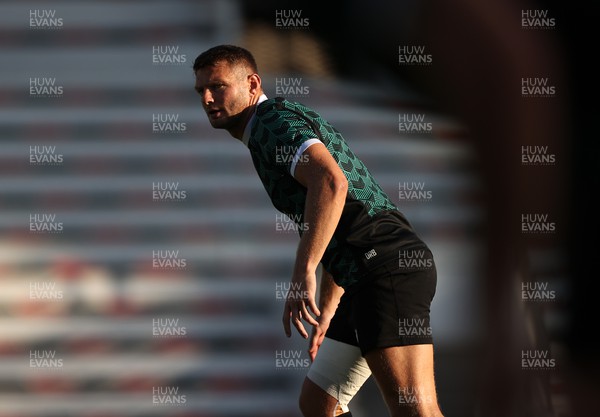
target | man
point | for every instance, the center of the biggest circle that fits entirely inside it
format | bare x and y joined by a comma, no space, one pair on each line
374,300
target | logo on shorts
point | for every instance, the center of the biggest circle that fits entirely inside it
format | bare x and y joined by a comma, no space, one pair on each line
370,254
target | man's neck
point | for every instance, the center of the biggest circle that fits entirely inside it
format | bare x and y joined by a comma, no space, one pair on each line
245,116
248,128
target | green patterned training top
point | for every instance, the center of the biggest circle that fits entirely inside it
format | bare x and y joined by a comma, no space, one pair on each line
371,230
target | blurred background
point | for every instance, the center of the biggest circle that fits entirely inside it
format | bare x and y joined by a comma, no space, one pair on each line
142,264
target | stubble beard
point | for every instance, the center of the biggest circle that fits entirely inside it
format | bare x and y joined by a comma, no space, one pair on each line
227,122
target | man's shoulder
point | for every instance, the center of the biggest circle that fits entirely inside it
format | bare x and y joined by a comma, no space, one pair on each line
268,117
279,119
284,108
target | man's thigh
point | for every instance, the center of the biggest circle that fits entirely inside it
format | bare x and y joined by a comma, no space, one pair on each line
405,376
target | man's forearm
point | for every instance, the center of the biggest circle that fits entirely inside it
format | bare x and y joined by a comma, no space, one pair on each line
327,188
323,209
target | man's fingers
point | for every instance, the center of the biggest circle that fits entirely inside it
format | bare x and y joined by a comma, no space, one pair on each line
300,328
308,317
296,311
312,354
314,342
297,320
313,347
313,307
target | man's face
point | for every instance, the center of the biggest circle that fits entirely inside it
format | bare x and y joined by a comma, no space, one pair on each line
225,92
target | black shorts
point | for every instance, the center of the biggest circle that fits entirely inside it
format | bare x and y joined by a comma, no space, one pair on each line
389,307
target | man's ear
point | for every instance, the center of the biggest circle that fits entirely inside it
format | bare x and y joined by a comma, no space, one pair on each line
255,83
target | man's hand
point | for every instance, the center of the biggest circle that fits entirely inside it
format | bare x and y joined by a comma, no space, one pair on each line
301,299
317,336
329,298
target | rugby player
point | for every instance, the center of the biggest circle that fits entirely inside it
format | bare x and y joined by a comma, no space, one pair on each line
373,317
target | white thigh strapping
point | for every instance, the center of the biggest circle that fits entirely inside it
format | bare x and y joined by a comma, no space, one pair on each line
340,370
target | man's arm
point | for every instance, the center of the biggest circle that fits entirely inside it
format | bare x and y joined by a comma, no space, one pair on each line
329,298
326,187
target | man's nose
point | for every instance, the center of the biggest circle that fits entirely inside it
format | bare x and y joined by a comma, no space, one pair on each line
207,97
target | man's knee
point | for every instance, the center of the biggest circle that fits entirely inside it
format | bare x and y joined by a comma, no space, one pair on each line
310,408
314,401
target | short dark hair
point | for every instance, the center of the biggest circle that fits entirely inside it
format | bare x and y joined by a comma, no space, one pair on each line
229,53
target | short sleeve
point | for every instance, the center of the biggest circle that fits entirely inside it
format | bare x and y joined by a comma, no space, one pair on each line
284,139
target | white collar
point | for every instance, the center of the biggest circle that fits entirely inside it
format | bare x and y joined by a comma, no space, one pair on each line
248,128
